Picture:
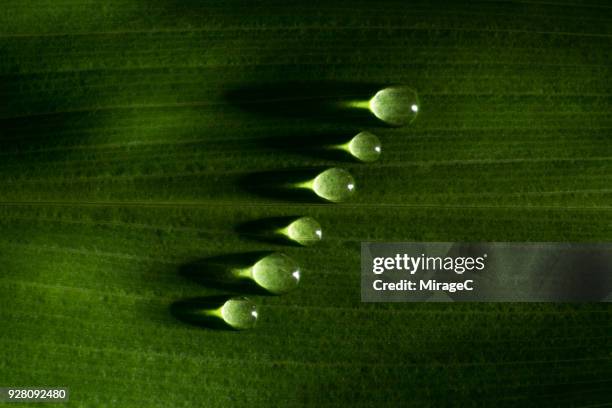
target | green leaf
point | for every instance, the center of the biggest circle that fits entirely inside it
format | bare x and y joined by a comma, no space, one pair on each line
130,146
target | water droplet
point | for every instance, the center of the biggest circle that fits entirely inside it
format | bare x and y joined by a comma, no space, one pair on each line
365,146
305,231
277,273
239,313
396,105
334,185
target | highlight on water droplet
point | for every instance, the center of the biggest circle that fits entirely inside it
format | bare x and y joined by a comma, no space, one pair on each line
334,184
396,105
238,313
364,146
277,273
304,231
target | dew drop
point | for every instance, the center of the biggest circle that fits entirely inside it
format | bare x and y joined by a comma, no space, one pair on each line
305,231
396,105
277,273
239,313
334,185
365,146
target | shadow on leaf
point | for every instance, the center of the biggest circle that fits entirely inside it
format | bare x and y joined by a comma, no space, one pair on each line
316,101
221,272
267,230
195,311
283,185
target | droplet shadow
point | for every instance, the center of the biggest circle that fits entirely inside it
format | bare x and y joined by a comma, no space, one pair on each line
191,311
312,145
282,184
218,272
266,230
314,101
33,133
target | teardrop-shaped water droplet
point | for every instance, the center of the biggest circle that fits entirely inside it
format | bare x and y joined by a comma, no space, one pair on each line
334,185
365,146
305,231
396,105
277,273
239,313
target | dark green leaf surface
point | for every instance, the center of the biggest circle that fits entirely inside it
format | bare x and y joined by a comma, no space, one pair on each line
121,159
